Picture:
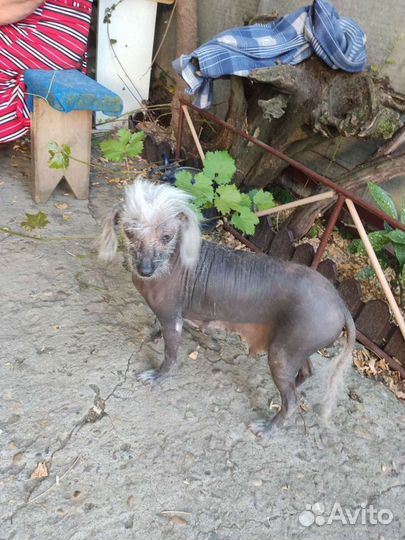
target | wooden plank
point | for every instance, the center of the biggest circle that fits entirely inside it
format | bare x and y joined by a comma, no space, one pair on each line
303,254
282,245
296,204
374,321
350,291
193,133
329,269
395,346
264,234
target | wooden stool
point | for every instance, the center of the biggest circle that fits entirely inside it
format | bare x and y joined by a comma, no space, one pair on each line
62,103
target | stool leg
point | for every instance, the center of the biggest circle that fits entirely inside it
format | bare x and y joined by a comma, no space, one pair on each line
73,129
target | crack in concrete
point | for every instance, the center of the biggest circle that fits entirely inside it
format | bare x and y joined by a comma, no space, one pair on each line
98,409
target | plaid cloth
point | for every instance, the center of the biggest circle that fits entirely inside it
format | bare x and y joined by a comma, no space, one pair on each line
339,41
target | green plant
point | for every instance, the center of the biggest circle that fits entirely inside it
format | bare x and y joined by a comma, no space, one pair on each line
120,148
388,237
213,188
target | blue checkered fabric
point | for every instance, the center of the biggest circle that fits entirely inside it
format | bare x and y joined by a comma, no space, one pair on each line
339,41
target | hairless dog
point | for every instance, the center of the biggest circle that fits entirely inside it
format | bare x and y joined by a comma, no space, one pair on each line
284,309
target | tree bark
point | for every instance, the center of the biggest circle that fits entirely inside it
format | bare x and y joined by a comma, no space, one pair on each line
285,105
186,42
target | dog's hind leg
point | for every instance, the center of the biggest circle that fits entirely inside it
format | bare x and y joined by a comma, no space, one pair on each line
285,367
304,372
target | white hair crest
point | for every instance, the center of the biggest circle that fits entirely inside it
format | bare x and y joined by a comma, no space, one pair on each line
150,204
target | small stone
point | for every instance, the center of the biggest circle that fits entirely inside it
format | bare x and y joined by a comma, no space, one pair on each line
257,482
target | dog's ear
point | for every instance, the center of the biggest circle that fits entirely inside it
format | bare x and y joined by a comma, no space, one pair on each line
107,243
190,238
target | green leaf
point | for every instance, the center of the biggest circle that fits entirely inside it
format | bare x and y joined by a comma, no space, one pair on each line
400,254
124,135
403,215
281,195
203,190
134,149
127,145
113,150
228,198
403,277
365,273
246,201
245,221
379,239
220,166
135,144
263,200
59,155
184,181
397,236
382,199
35,221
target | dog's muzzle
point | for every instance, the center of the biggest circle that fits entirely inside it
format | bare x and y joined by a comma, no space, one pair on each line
146,268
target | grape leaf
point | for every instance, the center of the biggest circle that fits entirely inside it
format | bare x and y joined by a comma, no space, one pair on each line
135,144
246,201
263,200
228,198
184,181
127,145
113,150
203,190
382,199
35,221
220,166
245,221
124,135
59,155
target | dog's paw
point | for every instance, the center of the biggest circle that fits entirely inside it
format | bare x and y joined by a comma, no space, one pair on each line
262,428
151,377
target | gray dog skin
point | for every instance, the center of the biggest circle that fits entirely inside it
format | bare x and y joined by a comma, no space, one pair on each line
286,310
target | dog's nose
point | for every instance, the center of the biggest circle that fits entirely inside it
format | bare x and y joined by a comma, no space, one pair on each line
146,268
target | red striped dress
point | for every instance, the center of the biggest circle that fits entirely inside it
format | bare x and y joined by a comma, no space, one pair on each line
53,37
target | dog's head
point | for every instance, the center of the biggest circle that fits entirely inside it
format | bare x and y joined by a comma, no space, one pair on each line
158,223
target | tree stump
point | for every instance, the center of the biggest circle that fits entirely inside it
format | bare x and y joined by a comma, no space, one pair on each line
285,106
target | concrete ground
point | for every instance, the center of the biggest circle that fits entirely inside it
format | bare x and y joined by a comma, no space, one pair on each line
172,463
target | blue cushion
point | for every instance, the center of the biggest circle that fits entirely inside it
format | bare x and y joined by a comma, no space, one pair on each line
70,90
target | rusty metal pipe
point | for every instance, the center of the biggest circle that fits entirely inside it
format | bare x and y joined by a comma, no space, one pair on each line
242,239
299,166
328,231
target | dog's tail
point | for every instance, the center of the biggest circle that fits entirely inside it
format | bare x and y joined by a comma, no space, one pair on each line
107,243
341,363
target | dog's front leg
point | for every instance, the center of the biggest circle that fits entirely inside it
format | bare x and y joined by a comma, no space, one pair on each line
171,331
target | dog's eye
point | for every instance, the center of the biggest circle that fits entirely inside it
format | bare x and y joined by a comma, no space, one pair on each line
166,238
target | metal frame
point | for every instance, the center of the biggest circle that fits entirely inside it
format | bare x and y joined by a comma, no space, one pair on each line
344,196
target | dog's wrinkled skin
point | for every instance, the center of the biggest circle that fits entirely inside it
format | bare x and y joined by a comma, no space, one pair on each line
284,309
